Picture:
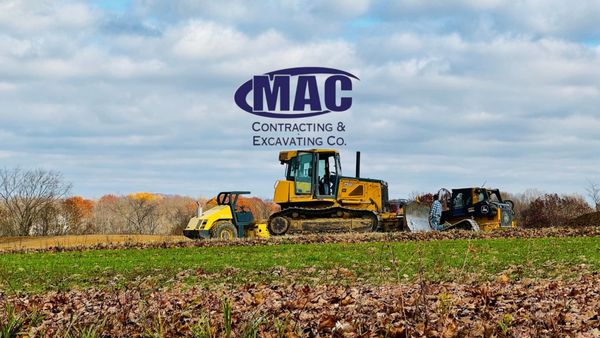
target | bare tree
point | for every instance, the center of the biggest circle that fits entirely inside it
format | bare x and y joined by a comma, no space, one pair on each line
49,221
108,216
176,212
25,194
143,216
553,210
593,192
5,226
141,212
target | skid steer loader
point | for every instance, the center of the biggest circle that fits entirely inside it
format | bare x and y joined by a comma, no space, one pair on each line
467,209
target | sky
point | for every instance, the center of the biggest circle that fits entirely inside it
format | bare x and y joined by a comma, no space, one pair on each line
124,96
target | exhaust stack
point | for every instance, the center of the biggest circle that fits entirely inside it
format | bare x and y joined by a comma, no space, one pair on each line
358,164
198,209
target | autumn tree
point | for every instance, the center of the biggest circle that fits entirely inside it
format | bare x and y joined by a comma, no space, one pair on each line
24,194
77,212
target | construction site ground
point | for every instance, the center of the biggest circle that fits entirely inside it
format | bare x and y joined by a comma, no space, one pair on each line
508,283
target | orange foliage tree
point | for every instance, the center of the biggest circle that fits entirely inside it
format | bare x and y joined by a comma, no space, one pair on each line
108,199
144,196
78,211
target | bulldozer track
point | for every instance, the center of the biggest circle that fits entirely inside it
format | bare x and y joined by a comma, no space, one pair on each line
327,220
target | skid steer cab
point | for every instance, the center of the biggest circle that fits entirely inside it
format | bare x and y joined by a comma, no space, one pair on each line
227,220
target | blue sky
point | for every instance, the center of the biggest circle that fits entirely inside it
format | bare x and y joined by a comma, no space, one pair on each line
118,6
137,95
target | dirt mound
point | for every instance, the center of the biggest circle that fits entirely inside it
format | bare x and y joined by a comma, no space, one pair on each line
591,219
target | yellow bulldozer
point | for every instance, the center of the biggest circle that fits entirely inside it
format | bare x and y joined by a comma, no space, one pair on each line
316,197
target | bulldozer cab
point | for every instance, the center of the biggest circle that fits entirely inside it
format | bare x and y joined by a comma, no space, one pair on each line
242,216
314,173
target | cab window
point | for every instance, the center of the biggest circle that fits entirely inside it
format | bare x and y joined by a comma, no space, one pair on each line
327,174
459,201
493,196
291,169
303,174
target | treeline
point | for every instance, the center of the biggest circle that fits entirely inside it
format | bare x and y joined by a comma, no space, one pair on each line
535,209
38,202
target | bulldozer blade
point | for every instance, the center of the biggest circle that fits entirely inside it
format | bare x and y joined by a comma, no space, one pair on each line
417,217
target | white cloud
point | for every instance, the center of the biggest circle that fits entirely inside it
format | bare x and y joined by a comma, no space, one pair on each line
30,17
438,103
7,86
204,40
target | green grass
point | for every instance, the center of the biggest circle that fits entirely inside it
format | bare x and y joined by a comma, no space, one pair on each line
375,263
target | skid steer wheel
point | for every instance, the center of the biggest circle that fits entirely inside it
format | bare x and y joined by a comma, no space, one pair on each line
279,225
224,230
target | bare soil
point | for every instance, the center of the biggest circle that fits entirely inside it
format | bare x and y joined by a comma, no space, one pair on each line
591,219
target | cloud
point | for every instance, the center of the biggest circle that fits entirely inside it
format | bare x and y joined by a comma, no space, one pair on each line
204,40
29,17
451,93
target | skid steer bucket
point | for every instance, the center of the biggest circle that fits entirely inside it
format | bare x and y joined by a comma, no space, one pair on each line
417,217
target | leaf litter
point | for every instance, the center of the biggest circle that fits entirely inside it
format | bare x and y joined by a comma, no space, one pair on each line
500,308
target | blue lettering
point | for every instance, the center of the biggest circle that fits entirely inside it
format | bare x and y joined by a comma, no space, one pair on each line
330,93
313,100
280,90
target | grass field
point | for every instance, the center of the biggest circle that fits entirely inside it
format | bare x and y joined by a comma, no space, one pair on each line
372,263
524,283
